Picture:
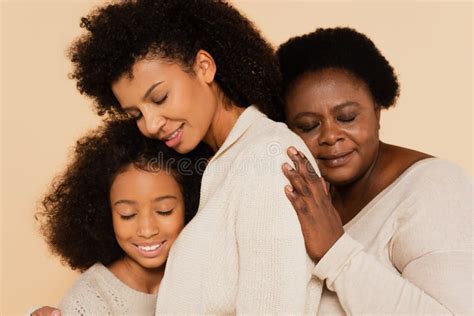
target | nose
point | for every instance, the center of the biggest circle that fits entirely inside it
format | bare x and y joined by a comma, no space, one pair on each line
330,134
147,226
154,121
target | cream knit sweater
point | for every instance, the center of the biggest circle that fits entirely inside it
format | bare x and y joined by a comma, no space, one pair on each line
244,251
99,292
409,251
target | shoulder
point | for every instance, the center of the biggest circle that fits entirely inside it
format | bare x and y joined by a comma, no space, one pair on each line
268,141
438,175
436,194
85,296
268,132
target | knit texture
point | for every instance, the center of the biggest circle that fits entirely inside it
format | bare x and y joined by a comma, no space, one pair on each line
244,251
99,292
409,251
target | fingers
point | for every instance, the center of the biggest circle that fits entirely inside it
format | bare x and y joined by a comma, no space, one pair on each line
309,180
298,203
325,186
296,180
302,164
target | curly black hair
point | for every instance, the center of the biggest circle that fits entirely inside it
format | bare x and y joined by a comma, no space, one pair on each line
122,33
342,48
76,217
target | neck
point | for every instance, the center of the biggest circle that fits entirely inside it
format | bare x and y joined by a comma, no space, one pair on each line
223,121
136,276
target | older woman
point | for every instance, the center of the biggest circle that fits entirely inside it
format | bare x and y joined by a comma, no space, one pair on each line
392,233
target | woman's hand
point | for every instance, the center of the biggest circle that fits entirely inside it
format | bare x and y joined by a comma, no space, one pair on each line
46,311
320,222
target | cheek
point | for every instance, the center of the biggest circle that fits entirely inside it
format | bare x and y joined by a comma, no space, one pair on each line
364,134
174,225
122,229
310,139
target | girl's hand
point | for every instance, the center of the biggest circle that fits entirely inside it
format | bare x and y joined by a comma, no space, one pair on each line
320,222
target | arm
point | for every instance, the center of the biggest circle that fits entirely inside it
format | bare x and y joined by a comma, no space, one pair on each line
274,269
432,249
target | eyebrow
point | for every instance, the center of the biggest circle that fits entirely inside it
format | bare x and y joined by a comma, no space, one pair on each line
158,199
334,109
343,105
153,86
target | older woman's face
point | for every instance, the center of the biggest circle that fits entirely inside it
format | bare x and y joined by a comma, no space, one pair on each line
334,113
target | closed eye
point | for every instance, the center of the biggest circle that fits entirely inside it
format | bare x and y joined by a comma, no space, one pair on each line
165,213
346,118
161,101
127,217
307,128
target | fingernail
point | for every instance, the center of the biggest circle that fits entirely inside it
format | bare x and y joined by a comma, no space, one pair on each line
293,151
289,188
301,154
288,167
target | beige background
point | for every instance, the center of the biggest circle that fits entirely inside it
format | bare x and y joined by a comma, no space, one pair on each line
428,43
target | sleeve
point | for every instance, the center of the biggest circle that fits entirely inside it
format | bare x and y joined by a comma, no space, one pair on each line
274,269
431,249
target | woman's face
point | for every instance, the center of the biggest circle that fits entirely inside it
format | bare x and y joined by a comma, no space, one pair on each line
168,103
335,114
147,214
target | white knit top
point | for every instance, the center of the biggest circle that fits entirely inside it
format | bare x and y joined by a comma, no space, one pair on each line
244,251
99,292
409,251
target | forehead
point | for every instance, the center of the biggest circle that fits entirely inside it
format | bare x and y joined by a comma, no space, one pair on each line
326,87
145,183
145,72
328,80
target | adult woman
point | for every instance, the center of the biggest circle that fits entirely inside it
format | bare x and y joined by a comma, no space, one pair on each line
189,71
116,211
406,244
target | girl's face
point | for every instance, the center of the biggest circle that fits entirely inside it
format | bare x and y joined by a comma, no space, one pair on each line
168,103
147,213
335,114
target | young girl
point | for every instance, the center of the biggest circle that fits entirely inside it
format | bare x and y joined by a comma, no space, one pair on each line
115,213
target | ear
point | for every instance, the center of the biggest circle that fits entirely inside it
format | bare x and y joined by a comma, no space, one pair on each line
204,66
378,109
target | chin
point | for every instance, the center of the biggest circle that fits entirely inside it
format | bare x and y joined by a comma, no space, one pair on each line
337,179
185,148
155,264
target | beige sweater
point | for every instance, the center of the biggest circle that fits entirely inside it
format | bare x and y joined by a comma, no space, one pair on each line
99,292
244,251
409,251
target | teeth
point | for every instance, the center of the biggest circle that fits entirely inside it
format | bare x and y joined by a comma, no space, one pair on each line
173,135
149,248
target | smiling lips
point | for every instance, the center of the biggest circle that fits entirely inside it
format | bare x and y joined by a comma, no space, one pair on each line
150,251
335,160
174,138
